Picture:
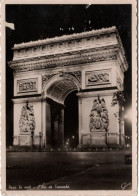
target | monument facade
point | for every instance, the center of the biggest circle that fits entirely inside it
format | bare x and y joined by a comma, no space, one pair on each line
46,71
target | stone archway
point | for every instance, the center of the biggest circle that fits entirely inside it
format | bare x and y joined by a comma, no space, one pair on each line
55,91
60,85
45,71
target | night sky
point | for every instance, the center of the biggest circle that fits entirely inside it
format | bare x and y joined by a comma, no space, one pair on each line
33,22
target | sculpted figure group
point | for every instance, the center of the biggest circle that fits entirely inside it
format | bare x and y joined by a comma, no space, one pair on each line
99,116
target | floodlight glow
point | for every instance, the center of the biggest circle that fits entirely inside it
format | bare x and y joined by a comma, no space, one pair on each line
128,114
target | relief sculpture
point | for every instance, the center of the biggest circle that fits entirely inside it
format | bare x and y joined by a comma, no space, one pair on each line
27,120
99,116
98,78
27,86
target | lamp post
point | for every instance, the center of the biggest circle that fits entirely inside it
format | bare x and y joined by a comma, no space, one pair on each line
32,143
128,117
40,138
73,137
126,141
82,139
67,144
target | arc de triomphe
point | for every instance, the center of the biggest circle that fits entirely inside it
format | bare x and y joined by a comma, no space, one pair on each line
46,71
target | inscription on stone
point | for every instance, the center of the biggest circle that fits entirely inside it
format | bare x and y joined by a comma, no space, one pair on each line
29,85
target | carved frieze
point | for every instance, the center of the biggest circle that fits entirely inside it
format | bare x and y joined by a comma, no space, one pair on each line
64,61
27,120
72,42
86,47
99,116
98,77
67,37
27,85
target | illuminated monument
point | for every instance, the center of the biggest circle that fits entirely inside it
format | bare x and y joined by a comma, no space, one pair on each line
46,71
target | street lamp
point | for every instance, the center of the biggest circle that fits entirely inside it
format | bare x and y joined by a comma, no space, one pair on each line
128,143
67,144
128,114
73,141
40,136
124,137
32,143
82,139
126,140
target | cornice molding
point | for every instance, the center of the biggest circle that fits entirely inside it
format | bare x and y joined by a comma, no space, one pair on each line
95,93
28,99
65,61
95,40
66,37
80,51
81,48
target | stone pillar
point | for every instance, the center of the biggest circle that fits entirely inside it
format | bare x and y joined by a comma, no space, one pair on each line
98,129
122,128
56,132
48,126
122,133
44,123
61,128
80,121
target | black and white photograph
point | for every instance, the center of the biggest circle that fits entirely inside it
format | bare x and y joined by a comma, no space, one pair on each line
70,96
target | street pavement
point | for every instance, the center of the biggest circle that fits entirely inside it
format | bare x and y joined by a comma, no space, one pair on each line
68,171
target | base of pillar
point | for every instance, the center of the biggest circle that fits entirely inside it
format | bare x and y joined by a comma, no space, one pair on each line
26,141
22,140
94,139
98,139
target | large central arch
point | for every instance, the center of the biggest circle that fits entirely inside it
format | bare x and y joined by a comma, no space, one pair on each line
71,120
59,86
55,92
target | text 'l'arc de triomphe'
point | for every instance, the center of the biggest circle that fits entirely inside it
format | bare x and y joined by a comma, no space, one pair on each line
46,71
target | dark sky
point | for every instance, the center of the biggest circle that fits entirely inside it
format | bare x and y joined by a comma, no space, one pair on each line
33,22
